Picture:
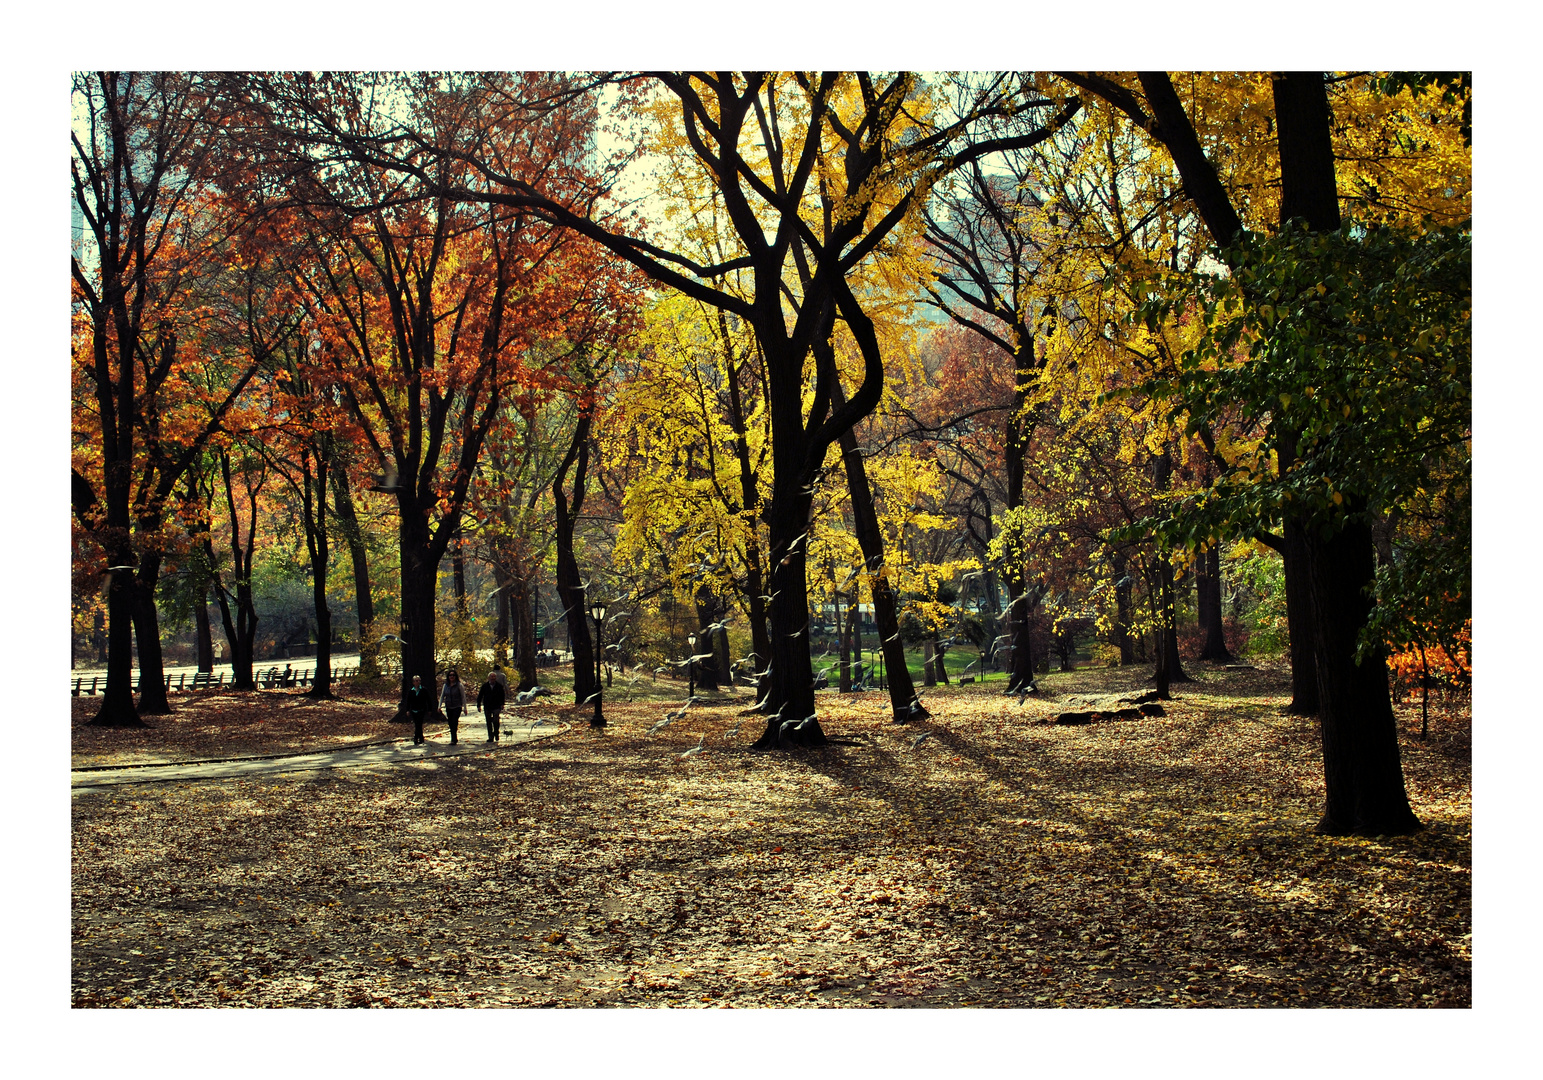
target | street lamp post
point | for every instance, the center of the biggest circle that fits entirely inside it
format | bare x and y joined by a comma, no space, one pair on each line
690,665
597,612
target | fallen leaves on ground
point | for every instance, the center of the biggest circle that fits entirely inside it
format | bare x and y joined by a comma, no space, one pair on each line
212,724
1164,861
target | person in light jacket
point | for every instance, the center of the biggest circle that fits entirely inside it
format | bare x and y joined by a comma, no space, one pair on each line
453,699
490,699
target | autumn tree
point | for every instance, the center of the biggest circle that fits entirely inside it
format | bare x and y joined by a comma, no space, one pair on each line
1335,557
848,148
430,303
153,240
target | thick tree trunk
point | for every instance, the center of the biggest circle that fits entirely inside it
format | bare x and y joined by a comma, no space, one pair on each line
147,633
1021,662
1208,599
244,648
929,662
1363,775
1301,625
117,708
1309,192
791,673
420,579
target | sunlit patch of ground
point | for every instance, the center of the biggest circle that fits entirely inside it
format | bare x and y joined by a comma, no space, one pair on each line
1156,862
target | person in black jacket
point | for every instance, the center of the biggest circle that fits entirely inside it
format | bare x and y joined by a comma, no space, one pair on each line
490,699
416,702
453,698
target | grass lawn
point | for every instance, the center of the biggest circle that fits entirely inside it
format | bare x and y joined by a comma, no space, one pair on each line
1162,862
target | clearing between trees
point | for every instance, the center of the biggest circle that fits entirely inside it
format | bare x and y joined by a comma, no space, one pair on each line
998,863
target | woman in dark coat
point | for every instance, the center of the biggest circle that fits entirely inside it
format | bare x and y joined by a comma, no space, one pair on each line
453,698
416,702
490,699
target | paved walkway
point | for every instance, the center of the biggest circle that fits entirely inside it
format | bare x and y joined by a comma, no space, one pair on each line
396,753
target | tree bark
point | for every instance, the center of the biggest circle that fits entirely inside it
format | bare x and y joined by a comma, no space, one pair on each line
1208,599
313,506
203,632
902,693
1301,626
420,581
570,588
1363,774
147,633
503,607
364,604
706,604
522,615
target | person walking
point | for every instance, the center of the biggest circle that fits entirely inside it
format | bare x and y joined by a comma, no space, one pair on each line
490,699
416,702
498,676
453,698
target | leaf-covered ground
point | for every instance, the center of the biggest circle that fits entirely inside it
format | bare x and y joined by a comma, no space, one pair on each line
214,724
1166,861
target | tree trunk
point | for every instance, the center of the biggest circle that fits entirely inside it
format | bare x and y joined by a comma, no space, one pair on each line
464,646
791,671
570,589
755,581
1208,599
522,615
315,509
1301,626
364,605
99,635
117,708
1363,775
203,632
902,694
420,592
707,671
503,582
929,659
1170,624
147,633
